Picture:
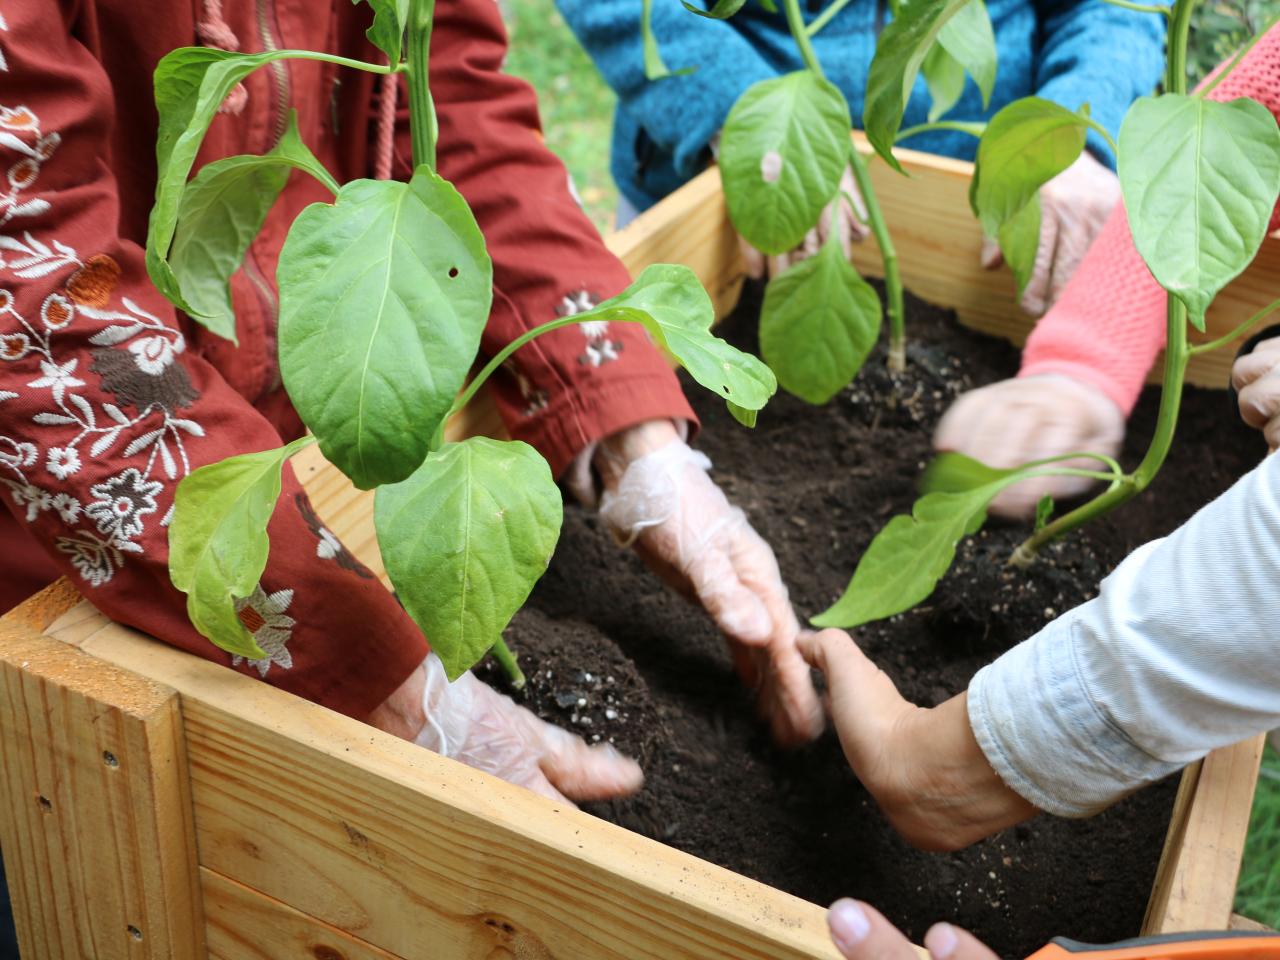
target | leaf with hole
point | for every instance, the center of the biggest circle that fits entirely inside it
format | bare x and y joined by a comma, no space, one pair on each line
465,539
819,321
222,210
218,542
783,149
900,53
383,297
1200,179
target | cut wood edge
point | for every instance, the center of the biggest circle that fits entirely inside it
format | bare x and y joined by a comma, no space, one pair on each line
1196,880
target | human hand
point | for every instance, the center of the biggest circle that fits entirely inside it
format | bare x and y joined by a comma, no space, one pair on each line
1016,421
849,224
471,722
1256,380
860,932
1073,207
923,766
659,498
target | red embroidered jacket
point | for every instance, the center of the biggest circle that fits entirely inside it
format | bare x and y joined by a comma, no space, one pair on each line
107,399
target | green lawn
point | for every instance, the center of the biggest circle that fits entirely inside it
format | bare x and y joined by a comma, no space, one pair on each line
577,105
1258,895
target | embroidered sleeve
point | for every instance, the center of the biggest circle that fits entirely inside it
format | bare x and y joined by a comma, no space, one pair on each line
104,409
575,386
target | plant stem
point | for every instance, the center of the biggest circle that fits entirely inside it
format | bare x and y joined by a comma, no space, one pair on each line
964,126
1239,331
801,35
892,278
422,111
1115,151
502,653
333,58
825,17
1141,7
501,357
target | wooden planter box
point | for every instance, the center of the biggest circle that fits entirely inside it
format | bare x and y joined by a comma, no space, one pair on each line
155,805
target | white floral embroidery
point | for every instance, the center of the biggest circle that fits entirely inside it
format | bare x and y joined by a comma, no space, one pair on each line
263,615
135,362
600,348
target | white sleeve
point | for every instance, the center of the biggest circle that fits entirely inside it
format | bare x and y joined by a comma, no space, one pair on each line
1177,655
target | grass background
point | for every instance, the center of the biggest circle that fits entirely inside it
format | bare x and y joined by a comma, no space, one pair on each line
577,115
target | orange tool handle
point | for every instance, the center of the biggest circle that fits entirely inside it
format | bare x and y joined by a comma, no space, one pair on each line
1210,945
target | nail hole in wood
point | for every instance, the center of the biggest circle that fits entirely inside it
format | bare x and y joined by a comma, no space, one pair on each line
45,805
109,759
135,932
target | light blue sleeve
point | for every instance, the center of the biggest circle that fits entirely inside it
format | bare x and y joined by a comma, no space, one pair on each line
1178,654
1093,52
683,113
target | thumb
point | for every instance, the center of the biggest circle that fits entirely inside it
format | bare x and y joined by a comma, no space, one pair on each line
586,773
752,258
991,258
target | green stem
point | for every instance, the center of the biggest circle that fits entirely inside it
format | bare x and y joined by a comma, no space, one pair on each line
331,58
422,112
1175,77
801,34
1141,7
502,653
1115,151
888,254
825,17
964,126
1239,331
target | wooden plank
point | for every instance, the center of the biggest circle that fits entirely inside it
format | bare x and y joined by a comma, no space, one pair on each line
1196,880
1241,922
95,815
245,925
938,242
420,856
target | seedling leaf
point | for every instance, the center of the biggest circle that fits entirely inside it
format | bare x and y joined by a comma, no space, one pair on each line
387,32
1019,239
722,10
1044,510
1199,212
958,473
218,542
944,75
465,539
971,42
783,149
819,321
383,297
655,68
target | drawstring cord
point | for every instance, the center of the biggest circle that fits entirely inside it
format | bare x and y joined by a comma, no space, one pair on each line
214,32
386,131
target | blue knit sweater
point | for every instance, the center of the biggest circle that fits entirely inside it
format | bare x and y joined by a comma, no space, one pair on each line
1068,51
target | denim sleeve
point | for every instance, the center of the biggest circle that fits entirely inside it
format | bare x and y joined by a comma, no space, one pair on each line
1178,654
1093,52
679,113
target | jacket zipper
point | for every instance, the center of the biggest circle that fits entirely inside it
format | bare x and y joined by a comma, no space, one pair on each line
271,320
279,72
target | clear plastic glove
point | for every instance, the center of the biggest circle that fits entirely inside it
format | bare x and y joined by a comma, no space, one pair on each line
1032,418
1073,207
851,225
1256,379
471,722
686,530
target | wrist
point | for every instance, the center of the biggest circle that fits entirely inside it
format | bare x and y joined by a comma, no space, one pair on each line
616,452
402,713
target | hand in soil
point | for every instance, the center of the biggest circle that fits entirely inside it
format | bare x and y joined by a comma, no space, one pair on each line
1031,418
923,765
861,932
850,224
1074,205
688,532
1256,379
471,722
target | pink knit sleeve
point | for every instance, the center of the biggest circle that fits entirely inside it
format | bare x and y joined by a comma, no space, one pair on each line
1108,325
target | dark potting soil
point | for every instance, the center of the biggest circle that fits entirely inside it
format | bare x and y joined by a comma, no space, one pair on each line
612,654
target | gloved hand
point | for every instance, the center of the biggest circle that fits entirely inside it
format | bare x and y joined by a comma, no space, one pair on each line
1029,418
662,502
471,722
851,226
860,932
1073,207
1256,379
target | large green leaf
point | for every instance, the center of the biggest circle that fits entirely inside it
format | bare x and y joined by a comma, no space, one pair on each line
721,10
671,303
190,85
782,151
819,321
908,557
1025,145
1200,180
387,32
383,297
222,211
900,52
969,39
944,76
218,540
465,539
